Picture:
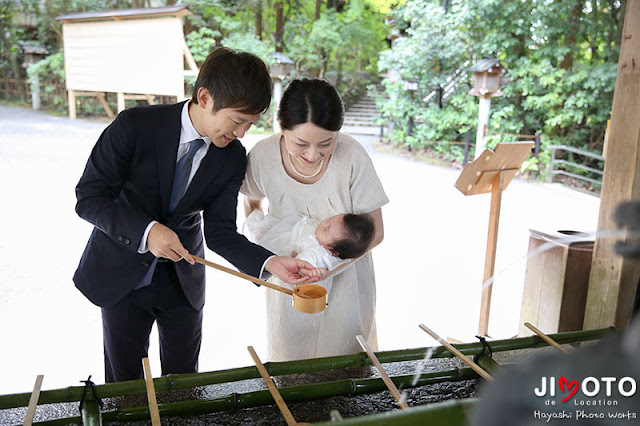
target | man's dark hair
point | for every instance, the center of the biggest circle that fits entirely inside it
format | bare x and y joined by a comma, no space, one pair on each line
235,79
360,230
311,100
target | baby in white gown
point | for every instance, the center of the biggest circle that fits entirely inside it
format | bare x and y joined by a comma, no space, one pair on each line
325,244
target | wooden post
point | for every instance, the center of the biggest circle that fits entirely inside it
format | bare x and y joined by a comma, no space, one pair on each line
483,119
72,104
613,279
105,104
120,101
491,172
490,257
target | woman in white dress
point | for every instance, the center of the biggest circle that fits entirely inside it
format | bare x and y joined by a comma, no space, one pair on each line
313,169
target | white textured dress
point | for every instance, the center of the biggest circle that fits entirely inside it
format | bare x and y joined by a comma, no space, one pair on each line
350,185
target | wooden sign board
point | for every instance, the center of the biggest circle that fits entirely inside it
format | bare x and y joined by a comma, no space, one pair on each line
477,177
136,53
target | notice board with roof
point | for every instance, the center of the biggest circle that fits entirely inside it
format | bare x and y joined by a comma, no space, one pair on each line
136,53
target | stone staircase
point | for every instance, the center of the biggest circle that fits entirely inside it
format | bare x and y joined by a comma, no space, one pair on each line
360,118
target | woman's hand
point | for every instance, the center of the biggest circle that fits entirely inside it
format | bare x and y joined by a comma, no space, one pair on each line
376,215
294,271
251,205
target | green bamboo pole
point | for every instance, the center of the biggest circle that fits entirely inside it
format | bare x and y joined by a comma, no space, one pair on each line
488,364
91,415
181,381
447,413
347,387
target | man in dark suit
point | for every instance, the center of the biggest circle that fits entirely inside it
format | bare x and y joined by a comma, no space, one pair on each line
144,226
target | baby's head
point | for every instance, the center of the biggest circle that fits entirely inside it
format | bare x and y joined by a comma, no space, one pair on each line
346,235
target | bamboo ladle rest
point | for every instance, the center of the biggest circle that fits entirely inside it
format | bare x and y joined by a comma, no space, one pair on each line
307,298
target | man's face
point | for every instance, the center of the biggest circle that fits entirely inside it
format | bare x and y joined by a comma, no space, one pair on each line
330,231
224,125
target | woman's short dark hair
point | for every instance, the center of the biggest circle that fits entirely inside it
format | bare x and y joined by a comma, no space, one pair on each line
311,100
360,230
235,79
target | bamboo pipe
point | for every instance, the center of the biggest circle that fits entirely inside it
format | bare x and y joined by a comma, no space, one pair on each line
282,406
151,393
181,381
546,338
243,275
300,393
385,377
33,401
459,354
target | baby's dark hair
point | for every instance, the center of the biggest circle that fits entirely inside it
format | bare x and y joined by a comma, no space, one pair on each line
360,229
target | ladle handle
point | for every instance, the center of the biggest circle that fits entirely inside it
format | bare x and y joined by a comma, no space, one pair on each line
242,275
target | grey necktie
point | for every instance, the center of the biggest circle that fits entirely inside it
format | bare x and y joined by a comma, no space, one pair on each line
183,170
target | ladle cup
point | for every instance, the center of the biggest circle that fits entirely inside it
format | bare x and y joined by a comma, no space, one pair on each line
307,298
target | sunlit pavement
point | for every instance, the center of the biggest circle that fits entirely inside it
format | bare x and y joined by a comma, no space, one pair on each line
429,267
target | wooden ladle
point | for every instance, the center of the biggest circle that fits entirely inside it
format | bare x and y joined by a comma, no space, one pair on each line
307,298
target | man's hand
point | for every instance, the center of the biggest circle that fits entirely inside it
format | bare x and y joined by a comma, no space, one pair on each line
163,242
294,271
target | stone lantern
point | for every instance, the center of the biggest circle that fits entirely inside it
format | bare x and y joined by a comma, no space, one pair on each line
33,54
486,78
280,68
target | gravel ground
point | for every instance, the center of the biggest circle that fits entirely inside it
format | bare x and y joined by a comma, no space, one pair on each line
429,267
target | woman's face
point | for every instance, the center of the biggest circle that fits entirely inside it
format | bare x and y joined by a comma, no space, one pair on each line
308,144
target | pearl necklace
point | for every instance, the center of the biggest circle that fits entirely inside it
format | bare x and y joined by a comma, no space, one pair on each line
300,174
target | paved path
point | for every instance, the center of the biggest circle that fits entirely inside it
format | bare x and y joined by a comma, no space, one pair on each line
429,267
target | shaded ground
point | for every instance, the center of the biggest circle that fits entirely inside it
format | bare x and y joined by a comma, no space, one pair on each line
429,267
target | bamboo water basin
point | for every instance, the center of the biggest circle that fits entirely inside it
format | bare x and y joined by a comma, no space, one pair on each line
312,388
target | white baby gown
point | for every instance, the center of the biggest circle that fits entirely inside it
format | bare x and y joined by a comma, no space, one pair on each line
293,234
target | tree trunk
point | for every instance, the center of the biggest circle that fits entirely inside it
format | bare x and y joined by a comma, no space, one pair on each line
572,30
339,73
318,9
258,20
13,60
279,26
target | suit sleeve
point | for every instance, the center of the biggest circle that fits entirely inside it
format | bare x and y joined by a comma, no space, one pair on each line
220,228
101,185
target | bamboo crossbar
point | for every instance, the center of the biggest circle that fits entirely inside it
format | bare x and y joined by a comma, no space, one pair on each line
273,390
151,393
33,401
243,275
385,377
181,381
459,354
544,337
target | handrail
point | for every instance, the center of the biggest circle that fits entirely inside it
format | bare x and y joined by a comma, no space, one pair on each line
554,162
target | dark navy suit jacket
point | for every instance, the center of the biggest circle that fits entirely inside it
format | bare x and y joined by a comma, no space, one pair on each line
127,183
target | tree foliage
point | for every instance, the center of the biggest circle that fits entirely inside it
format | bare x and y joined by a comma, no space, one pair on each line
341,43
560,56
